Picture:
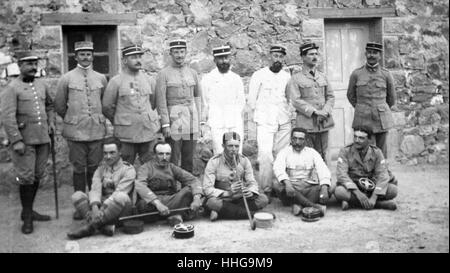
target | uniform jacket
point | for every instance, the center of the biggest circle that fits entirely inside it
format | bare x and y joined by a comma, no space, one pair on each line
306,166
267,96
179,100
216,179
107,180
372,93
153,180
351,167
129,103
224,99
27,110
309,93
78,101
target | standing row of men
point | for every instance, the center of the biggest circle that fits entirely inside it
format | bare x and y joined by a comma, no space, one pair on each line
138,106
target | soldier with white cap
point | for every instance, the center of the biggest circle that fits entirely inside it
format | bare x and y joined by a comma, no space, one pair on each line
129,103
272,113
179,102
28,118
78,102
224,98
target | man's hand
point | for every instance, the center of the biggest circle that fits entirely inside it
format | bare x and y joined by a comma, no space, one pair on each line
247,193
96,213
19,147
196,203
290,191
372,200
321,114
163,210
202,129
236,187
324,197
362,198
166,132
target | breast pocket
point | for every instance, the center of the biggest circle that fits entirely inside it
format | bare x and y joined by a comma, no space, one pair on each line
385,116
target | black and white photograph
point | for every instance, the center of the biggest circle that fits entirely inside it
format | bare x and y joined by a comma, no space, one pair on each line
225,127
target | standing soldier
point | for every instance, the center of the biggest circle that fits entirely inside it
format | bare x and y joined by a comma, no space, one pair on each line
272,113
28,118
78,102
371,91
313,99
178,97
129,103
223,91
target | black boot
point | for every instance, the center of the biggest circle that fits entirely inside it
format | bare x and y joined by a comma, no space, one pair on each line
36,216
79,182
232,211
84,231
26,198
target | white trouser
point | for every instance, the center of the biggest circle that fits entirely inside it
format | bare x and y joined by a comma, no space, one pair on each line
271,139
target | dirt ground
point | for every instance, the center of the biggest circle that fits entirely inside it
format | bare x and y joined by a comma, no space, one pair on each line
420,224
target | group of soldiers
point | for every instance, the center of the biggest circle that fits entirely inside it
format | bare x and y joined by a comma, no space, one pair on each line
178,104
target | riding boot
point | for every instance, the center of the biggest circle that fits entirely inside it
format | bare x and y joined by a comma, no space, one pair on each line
90,174
26,198
79,182
36,216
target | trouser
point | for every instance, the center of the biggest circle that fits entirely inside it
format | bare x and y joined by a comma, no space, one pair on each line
380,140
228,208
271,139
181,199
184,150
318,141
115,206
85,157
217,137
30,166
310,191
342,194
130,150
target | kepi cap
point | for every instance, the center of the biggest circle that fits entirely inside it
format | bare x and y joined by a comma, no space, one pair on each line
26,55
131,50
278,48
374,46
307,46
177,43
221,51
84,45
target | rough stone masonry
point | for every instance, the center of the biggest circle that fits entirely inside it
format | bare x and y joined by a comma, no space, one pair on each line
416,42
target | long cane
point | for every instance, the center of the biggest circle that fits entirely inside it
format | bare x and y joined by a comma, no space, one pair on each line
55,183
151,213
252,223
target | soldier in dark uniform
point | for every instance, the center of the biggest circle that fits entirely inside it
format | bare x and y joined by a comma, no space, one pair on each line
129,103
78,102
178,97
228,177
28,118
362,175
371,91
313,99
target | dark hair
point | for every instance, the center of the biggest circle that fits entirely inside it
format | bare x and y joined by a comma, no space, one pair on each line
160,142
112,140
299,129
229,136
365,129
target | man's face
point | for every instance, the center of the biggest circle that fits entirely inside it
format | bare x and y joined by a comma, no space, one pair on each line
311,58
360,139
133,62
373,56
298,141
28,68
84,57
222,63
178,55
276,61
231,147
111,154
163,152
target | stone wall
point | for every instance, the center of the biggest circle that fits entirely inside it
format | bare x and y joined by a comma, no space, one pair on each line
416,42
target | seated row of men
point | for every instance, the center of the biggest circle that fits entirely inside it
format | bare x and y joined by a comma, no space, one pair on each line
302,180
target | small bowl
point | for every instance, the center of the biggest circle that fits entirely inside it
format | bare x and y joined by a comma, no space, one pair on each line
183,231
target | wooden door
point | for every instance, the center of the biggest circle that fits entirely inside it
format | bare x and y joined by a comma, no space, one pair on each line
344,49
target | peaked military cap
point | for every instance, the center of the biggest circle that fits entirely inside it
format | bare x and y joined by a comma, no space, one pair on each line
278,48
221,51
307,46
374,46
131,50
26,55
177,43
84,45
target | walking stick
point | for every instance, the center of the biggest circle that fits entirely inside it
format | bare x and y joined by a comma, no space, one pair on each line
151,213
55,183
252,223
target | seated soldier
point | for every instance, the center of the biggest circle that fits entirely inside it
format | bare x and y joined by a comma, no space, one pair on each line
109,198
157,187
303,178
363,179
225,184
